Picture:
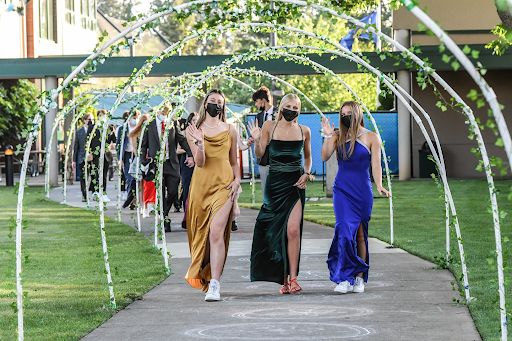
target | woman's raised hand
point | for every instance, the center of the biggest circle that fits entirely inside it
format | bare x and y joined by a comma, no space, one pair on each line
195,133
326,127
254,129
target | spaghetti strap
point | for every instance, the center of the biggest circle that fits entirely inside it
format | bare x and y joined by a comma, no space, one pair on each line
301,133
361,134
272,136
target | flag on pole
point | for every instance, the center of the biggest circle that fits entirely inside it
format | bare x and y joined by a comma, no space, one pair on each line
348,40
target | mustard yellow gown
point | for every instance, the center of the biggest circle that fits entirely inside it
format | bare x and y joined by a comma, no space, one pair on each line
207,195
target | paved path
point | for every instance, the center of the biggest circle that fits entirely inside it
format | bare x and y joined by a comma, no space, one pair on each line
405,298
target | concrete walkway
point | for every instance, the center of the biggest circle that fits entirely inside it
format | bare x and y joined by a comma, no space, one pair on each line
404,299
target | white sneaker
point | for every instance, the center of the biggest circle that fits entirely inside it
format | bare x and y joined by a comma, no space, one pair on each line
344,287
105,198
213,293
358,285
151,208
145,213
124,196
95,196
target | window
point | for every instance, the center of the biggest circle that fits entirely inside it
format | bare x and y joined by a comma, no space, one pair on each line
88,12
47,20
70,11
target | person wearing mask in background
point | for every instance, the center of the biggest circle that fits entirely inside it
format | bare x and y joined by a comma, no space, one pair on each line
79,151
263,101
186,171
95,150
171,168
126,148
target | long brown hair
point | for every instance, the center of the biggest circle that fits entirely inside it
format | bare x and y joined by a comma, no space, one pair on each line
136,131
345,134
202,110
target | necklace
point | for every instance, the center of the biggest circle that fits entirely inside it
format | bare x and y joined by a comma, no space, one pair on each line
211,126
289,125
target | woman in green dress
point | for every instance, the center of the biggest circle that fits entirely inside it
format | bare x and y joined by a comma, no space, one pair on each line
277,235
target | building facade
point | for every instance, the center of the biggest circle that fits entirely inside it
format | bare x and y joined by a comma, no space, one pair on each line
469,24
47,28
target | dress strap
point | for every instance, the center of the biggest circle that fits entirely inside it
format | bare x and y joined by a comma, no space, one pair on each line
271,137
301,133
361,134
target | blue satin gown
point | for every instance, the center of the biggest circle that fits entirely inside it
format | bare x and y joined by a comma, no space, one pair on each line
352,201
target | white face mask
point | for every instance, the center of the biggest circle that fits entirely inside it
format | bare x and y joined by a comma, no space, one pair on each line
133,122
162,117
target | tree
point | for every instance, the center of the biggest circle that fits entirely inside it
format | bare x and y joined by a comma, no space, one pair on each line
17,106
504,30
120,9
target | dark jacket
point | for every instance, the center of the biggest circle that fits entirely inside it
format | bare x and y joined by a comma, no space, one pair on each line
96,141
151,143
79,145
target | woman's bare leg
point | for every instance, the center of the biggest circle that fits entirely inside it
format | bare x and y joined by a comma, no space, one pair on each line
293,235
217,245
361,246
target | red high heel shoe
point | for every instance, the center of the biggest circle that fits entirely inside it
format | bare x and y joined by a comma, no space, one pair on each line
296,288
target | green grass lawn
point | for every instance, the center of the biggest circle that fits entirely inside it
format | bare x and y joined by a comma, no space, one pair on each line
64,278
419,224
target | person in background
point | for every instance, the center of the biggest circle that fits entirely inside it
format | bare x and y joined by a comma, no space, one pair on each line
236,208
79,151
356,148
95,150
126,147
171,172
186,171
263,101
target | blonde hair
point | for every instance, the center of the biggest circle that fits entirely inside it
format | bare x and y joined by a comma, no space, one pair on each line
287,98
345,134
202,110
136,131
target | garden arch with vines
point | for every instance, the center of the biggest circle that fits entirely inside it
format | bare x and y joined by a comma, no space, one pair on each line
252,15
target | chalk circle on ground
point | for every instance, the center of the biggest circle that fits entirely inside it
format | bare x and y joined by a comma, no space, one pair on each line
280,331
305,312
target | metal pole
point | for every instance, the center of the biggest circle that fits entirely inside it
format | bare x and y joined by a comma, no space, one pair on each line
273,42
378,45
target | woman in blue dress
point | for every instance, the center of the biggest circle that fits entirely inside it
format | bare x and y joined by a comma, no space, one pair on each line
356,148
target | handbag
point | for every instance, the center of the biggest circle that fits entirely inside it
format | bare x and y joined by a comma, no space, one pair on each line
148,169
264,160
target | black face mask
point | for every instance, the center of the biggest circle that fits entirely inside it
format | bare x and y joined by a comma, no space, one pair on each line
213,109
289,115
262,107
345,120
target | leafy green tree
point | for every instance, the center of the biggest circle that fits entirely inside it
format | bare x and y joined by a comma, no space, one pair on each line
17,106
503,31
175,30
120,9
324,90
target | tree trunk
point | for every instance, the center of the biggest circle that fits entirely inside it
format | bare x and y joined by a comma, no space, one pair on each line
506,18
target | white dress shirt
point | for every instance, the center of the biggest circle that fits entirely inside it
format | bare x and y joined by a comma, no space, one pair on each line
268,114
159,128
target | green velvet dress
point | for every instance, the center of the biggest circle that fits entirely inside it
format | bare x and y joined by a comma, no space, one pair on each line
269,259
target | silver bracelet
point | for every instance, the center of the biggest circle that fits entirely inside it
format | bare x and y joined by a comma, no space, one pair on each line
327,136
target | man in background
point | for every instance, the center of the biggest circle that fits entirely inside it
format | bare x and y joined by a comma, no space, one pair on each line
79,151
263,101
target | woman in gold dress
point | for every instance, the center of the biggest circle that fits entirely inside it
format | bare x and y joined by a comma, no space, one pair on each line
213,189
